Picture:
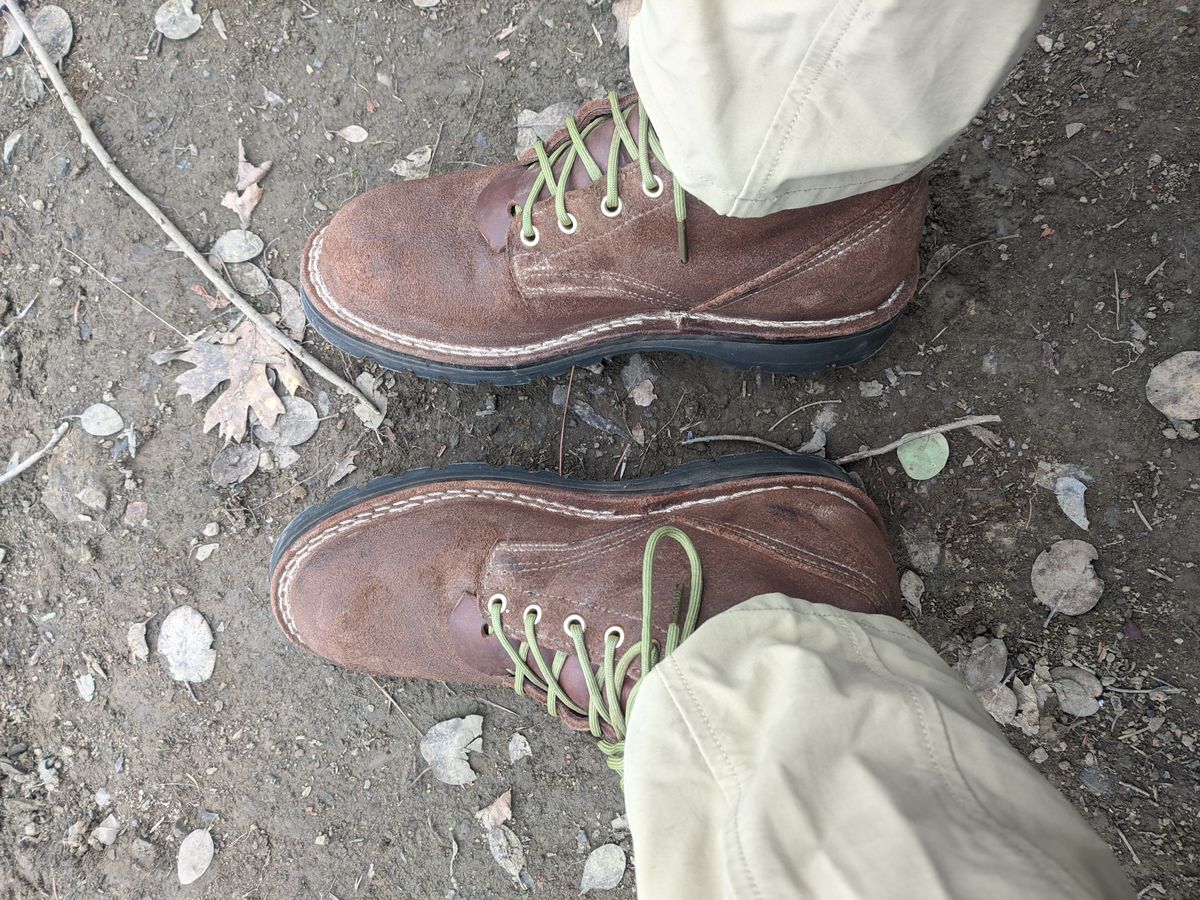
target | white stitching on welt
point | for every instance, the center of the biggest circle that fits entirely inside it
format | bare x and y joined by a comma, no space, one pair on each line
401,506
314,272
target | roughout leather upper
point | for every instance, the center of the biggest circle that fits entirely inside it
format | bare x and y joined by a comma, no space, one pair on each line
399,584
407,267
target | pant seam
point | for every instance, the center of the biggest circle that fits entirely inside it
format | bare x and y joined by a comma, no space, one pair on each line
716,741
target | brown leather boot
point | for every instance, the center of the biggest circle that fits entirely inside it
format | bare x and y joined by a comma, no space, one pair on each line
564,588
576,252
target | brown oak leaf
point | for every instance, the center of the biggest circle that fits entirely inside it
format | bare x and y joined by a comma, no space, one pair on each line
240,361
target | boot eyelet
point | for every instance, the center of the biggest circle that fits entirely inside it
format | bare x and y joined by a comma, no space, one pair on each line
573,620
618,631
531,241
569,229
655,191
498,598
535,609
611,213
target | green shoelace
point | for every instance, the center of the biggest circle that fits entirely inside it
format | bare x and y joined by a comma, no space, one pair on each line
575,150
605,705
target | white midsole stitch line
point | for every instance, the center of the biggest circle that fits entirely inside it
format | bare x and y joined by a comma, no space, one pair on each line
470,350
401,506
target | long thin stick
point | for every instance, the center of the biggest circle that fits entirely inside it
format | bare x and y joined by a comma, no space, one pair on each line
28,462
392,700
738,438
940,429
92,142
562,432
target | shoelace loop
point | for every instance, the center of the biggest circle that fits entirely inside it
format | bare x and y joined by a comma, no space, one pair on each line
604,700
575,150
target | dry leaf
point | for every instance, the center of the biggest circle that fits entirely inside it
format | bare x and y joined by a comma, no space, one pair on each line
507,851
445,747
1174,386
291,310
372,417
1078,690
912,589
248,173
1000,703
297,424
985,665
1069,491
244,203
53,27
344,467
185,642
234,464
352,134
237,245
195,856
242,364
1064,580
518,747
415,165
603,870
539,126
12,36
135,640
176,19
219,23
643,393
101,420
623,11
496,813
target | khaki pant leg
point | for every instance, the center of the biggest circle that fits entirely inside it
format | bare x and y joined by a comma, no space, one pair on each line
794,750
763,105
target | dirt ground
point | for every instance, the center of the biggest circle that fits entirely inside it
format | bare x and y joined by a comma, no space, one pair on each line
1061,262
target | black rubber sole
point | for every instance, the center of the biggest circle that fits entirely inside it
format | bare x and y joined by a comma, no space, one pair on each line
794,357
693,474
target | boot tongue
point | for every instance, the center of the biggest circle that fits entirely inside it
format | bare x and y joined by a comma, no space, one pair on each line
598,578
513,184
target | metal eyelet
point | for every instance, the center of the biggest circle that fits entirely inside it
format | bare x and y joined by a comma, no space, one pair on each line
536,609
611,213
655,191
618,631
533,241
498,598
574,225
569,621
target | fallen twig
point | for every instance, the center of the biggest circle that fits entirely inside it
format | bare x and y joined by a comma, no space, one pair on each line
853,457
939,429
392,700
17,318
991,240
743,438
92,142
29,461
783,419
562,432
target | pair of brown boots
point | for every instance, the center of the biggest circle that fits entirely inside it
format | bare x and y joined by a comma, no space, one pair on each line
583,249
